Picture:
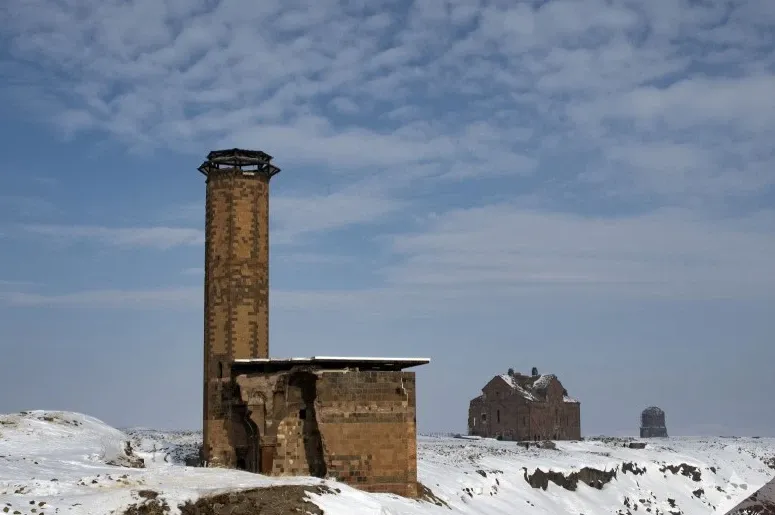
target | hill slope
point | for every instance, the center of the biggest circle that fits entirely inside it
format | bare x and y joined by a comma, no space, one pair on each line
62,461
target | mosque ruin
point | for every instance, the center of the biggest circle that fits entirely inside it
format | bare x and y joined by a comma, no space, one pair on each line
348,418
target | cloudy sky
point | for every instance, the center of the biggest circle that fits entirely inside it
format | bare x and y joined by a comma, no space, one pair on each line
584,186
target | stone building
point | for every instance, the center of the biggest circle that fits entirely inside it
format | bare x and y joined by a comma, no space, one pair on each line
352,419
514,406
652,423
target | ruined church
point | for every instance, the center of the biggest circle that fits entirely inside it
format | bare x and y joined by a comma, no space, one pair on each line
347,418
514,406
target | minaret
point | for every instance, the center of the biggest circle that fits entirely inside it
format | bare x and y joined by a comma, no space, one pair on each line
236,303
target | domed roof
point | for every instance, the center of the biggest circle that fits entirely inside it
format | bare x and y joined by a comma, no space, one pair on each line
653,410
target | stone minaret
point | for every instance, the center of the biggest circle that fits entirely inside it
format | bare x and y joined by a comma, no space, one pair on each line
236,322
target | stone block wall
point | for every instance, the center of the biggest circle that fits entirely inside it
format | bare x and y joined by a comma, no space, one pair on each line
501,412
358,427
236,291
555,421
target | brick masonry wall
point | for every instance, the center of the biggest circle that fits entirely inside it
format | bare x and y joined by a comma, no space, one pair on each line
236,293
512,417
360,428
371,415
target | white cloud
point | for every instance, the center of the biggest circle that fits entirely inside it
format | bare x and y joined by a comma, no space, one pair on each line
496,256
296,217
670,253
142,299
580,77
131,237
345,105
666,103
6,283
309,258
174,298
23,206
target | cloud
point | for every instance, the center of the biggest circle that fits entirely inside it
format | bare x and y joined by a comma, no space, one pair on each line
309,258
22,206
645,121
493,257
171,298
6,283
303,214
668,253
142,299
475,89
131,237
45,181
299,216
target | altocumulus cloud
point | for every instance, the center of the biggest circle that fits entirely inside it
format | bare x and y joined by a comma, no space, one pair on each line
487,87
130,237
658,111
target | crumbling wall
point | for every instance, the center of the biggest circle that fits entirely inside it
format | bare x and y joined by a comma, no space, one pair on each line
510,416
506,415
357,427
475,425
653,423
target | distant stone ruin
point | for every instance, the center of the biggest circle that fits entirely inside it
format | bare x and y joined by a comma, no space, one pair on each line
519,407
652,423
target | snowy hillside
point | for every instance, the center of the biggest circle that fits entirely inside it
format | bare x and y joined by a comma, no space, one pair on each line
70,463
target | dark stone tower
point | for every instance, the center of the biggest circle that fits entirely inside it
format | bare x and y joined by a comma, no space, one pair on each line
652,423
236,321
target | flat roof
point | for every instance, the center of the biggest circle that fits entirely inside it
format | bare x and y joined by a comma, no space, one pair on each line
329,362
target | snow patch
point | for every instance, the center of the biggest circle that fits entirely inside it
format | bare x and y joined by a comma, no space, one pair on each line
60,460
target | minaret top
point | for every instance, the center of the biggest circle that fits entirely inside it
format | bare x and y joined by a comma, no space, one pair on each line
243,160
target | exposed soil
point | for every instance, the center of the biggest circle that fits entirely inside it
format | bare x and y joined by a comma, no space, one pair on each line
275,500
590,476
633,469
684,469
425,494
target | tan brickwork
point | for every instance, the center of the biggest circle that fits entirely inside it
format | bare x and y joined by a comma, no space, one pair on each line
358,426
355,426
236,291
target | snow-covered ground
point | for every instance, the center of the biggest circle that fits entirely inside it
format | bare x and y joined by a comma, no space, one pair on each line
56,462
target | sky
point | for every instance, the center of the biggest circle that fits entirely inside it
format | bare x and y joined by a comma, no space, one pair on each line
587,187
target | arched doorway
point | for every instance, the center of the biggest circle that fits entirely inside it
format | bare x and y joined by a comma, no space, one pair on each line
251,460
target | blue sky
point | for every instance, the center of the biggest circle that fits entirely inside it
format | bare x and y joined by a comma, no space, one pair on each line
581,186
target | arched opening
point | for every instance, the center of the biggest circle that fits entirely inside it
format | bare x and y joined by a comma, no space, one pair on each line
251,457
220,370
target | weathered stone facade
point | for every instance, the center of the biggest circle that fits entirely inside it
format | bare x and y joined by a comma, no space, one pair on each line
521,407
352,419
236,321
327,420
652,423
